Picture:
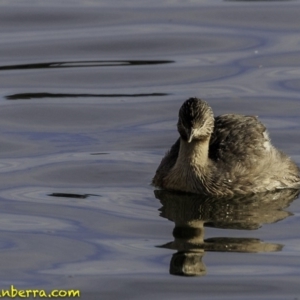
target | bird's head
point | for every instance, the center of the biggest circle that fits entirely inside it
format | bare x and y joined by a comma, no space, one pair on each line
196,120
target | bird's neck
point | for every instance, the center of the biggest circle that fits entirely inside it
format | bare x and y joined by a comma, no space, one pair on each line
194,154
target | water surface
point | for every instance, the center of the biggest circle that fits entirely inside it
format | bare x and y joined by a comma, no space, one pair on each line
89,99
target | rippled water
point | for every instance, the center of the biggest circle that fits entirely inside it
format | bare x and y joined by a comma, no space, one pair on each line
89,97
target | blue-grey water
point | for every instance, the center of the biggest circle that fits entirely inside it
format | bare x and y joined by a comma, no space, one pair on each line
89,96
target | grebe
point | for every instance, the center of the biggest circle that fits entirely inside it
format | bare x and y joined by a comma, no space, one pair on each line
223,156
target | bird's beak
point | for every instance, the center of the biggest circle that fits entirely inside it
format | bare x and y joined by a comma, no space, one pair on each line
190,135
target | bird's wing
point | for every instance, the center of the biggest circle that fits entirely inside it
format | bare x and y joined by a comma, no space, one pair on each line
238,138
166,164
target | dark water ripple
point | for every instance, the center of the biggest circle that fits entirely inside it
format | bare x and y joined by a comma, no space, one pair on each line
80,64
27,96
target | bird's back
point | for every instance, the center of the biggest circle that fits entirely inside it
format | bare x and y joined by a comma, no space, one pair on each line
238,138
241,148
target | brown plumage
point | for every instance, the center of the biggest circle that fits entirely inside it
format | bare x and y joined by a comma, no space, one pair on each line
223,156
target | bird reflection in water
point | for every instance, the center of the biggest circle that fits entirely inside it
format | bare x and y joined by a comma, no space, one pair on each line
191,213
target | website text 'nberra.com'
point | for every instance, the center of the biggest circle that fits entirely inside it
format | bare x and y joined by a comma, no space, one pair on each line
26,293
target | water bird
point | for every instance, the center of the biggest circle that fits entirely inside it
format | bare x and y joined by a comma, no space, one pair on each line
224,156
